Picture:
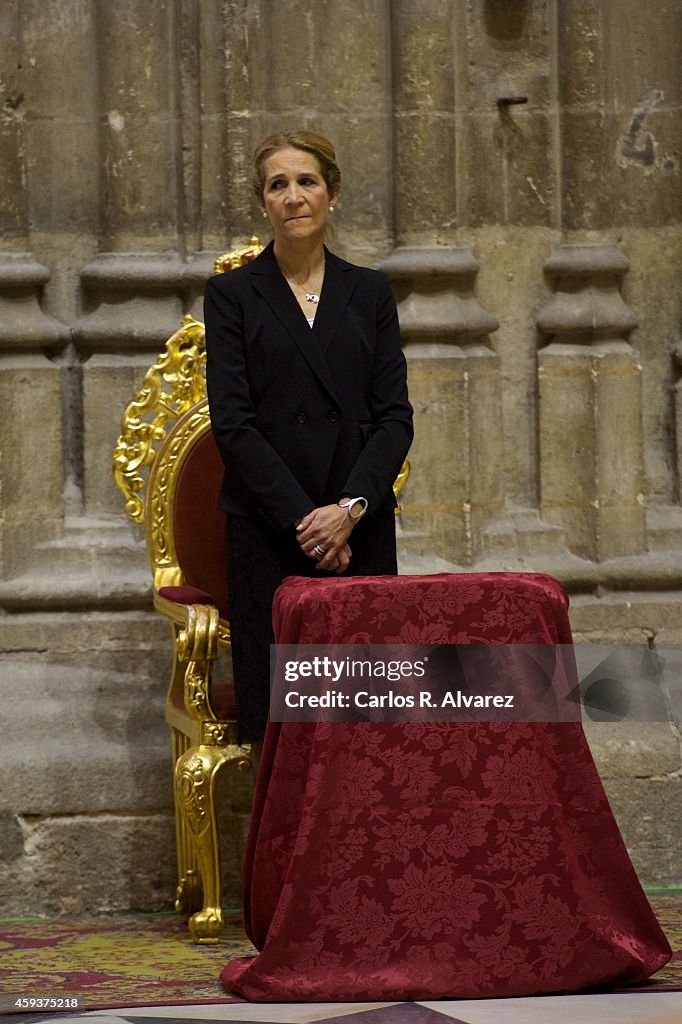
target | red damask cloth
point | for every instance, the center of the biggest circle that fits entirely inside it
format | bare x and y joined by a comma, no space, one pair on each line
414,861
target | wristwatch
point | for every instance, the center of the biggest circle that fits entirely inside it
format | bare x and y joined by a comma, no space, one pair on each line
355,507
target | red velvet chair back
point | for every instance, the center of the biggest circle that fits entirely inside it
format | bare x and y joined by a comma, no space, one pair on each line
198,527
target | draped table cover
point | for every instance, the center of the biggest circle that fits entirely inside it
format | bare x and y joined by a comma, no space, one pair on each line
413,861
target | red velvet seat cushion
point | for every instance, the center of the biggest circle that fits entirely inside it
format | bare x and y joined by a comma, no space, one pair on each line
186,595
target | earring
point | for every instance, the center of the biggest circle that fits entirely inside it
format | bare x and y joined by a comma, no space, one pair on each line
331,209
264,213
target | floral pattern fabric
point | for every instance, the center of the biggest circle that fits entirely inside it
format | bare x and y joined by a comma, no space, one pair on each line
413,861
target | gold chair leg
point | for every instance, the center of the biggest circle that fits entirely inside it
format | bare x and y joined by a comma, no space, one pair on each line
195,780
188,892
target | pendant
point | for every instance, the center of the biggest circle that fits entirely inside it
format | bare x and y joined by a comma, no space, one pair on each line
312,297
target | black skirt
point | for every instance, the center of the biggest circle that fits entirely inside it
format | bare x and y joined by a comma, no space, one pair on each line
257,562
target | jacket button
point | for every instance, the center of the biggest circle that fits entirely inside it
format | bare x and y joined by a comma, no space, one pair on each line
301,417
332,416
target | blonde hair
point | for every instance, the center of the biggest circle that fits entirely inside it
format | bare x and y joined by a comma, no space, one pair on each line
309,142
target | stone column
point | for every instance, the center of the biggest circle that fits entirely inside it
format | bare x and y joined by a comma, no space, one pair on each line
455,484
424,158
13,201
339,84
218,76
474,147
132,288
590,405
31,464
618,84
506,113
139,124
619,93
242,79
62,165
63,189
31,458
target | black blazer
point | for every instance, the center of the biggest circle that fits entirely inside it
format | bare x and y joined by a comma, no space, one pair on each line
300,415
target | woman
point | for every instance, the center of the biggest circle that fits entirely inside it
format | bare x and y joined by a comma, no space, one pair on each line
307,389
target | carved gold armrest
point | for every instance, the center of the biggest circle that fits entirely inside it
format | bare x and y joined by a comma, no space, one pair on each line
177,613
197,629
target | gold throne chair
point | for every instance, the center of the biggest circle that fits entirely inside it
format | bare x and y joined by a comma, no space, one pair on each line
168,468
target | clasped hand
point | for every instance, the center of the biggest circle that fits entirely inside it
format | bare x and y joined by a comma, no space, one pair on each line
328,527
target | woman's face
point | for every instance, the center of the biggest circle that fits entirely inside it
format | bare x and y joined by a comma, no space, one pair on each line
295,195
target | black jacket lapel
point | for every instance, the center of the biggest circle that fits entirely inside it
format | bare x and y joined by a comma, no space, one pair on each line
270,283
339,282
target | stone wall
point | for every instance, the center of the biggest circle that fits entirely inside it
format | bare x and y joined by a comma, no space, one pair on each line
514,168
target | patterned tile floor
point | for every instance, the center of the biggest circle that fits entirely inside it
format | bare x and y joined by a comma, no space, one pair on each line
637,1008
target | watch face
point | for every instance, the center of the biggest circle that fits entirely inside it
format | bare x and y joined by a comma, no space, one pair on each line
355,507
